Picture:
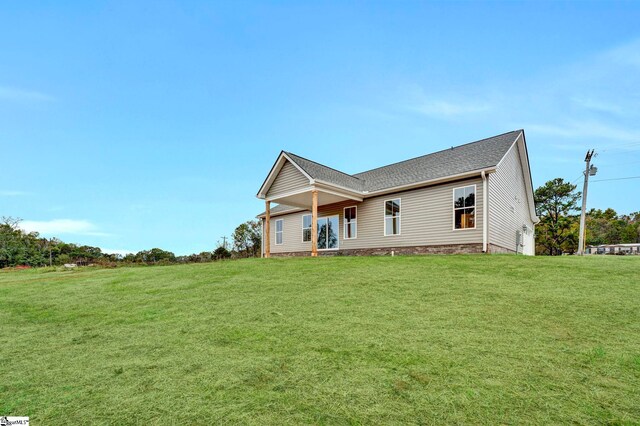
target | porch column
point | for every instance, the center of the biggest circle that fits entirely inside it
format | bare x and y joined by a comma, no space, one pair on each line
314,223
267,229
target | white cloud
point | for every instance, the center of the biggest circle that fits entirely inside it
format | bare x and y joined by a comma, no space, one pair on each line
62,226
121,252
600,106
595,101
442,105
5,193
375,113
15,94
587,129
625,54
594,130
448,109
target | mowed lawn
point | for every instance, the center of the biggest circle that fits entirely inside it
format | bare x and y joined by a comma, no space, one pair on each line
430,339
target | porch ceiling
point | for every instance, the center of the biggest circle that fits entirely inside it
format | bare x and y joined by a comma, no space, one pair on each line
304,199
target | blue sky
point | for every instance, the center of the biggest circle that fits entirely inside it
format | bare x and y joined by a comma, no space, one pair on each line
132,125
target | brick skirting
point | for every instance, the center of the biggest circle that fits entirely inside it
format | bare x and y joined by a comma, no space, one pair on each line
494,249
474,248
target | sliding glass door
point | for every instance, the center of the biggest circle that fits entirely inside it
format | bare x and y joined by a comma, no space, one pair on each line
328,233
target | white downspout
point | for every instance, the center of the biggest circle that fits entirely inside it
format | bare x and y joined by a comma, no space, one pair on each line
485,213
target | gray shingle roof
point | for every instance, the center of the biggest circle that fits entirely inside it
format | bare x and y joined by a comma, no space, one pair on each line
472,156
327,174
456,160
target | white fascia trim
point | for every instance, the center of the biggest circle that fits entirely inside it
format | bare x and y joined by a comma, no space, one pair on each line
282,158
474,173
328,188
310,188
339,187
515,142
282,213
275,197
298,167
526,172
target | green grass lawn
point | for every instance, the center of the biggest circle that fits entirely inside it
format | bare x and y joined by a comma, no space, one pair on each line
431,339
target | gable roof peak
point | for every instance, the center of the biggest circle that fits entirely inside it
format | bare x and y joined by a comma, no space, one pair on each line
482,154
326,174
296,156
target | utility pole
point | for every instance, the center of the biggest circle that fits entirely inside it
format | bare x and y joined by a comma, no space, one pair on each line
224,242
590,170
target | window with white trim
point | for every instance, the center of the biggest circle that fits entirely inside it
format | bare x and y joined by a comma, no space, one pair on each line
328,233
350,222
279,231
306,228
392,217
464,207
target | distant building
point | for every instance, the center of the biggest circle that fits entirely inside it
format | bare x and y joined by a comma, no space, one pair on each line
632,248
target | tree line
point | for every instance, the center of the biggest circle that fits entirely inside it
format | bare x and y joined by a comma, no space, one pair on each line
559,228
557,233
21,248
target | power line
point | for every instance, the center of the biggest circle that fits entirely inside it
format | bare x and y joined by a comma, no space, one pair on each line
623,144
630,162
579,176
621,178
622,147
622,164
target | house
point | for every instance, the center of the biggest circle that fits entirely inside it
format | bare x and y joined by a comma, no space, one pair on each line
623,248
473,198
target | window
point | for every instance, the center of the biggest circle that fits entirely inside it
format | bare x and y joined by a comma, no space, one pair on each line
392,217
279,226
350,223
464,207
328,233
306,228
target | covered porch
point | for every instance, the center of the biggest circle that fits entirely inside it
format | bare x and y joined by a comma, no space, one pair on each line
308,199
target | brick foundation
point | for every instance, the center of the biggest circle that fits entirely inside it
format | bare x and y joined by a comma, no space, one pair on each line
386,251
494,249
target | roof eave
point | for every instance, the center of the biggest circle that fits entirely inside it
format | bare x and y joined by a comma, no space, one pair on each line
322,183
430,182
295,210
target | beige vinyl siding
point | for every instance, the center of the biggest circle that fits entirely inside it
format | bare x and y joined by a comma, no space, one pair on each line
291,234
426,219
508,202
289,178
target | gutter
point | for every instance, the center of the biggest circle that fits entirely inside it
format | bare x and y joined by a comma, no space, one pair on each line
430,182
